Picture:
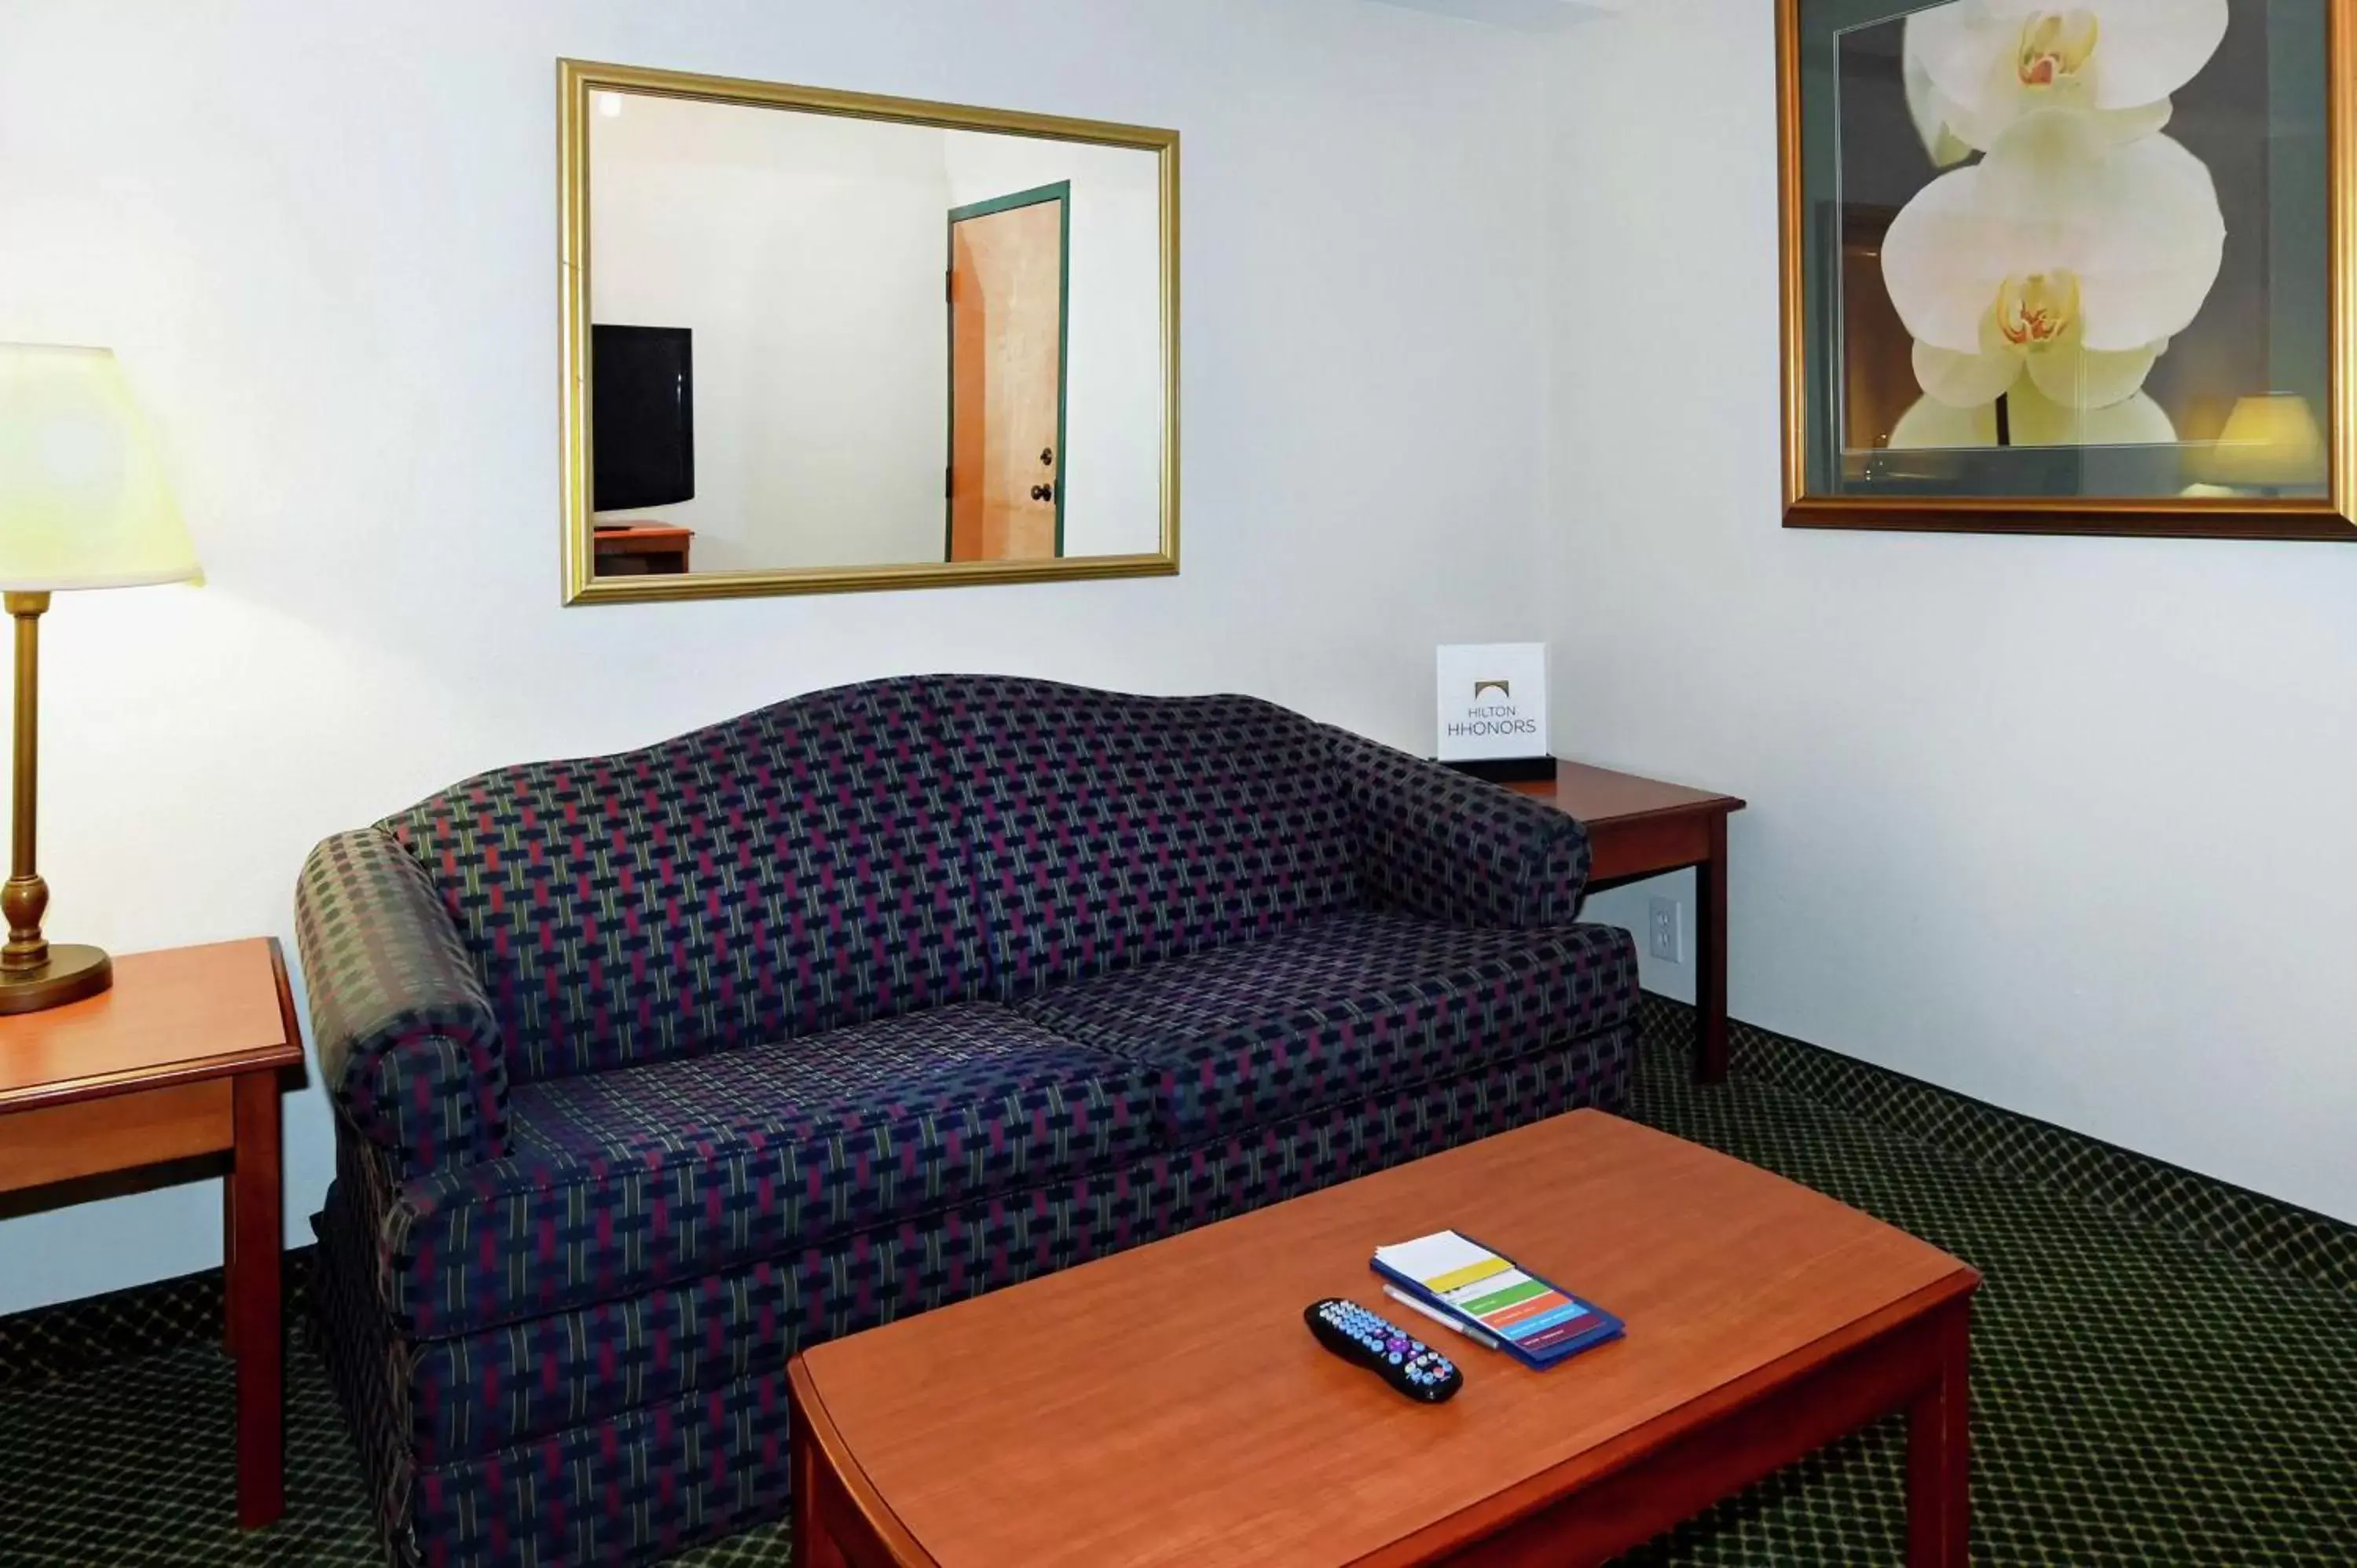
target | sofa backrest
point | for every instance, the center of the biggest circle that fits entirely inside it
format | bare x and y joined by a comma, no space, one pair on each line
1108,830
778,874
873,850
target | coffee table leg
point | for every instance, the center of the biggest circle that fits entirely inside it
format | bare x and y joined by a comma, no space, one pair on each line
1939,1446
256,1216
814,1545
1710,958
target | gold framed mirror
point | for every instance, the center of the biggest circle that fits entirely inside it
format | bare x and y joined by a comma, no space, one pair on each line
818,341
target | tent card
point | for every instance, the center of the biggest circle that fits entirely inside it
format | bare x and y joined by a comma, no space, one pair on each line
1493,701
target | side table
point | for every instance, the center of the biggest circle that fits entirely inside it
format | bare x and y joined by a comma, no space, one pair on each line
181,1060
1641,827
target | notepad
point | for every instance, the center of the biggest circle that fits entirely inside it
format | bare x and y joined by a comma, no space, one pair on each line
1538,1322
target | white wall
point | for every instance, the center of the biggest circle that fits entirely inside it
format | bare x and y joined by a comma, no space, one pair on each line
1112,353
2063,824
804,253
323,237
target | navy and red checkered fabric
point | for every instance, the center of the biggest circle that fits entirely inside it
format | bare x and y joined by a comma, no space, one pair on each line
1109,831
545,1441
785,872
408,1047
624,1180
1344,1007
1455,847
649,1067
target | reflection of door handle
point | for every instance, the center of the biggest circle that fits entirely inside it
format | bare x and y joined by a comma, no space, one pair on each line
1047,456
1043,492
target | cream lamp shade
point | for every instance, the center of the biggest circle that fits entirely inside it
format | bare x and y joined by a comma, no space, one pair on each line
83,505
2268,440
82,501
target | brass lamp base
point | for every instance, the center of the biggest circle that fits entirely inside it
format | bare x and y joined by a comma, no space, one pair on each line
71,974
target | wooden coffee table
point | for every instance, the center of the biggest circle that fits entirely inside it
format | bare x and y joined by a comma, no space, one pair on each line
1166,1406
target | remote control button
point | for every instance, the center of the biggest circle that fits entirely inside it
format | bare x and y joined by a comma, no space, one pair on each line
1353,1334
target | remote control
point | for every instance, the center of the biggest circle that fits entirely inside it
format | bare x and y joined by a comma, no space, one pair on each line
1359,1337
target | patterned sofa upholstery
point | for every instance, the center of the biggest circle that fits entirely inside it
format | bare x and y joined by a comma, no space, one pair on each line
651,1068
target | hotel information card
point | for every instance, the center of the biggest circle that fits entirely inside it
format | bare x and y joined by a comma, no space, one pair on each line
1536,1322
1493,701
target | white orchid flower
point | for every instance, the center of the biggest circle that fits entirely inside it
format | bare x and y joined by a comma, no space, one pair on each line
1974,67
1930,110
2033,420
2061,256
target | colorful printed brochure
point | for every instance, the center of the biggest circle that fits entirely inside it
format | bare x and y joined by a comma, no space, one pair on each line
1536,1322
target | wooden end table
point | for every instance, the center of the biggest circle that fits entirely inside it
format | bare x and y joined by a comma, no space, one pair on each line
1643,827
1166,1408
181,1060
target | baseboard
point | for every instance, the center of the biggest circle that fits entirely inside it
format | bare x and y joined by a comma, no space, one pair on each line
2251,1225
74,1336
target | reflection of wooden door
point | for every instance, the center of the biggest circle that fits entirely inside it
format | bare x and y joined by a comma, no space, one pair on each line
1006,290
1877,352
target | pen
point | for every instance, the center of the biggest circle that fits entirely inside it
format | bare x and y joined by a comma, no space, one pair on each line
1440,1317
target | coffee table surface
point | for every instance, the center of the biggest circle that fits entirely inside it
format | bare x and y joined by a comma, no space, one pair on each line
1166,1406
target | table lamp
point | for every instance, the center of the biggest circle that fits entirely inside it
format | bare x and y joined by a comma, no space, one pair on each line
2270,441
83,505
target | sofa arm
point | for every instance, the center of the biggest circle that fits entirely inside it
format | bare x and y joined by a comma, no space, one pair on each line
1455,847
406,1042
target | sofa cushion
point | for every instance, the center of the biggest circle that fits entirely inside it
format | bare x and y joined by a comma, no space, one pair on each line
785,872
551,1434
1109,831
625,1179
481,1392
1341,1007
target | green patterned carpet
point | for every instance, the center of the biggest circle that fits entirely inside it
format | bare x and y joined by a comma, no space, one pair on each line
2139,1398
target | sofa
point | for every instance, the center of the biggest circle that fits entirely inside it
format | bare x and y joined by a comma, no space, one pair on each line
648,1069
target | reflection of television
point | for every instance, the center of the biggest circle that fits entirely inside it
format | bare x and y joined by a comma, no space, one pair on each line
642,417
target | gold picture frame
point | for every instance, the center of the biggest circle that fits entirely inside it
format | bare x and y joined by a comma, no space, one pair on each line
576,80
2330,515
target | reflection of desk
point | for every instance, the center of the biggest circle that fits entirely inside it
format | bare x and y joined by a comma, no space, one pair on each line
638,549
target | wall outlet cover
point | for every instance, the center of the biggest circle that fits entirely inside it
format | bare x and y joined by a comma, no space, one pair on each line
1666,919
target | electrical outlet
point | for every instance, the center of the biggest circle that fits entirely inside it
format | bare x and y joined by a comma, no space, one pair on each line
1668,921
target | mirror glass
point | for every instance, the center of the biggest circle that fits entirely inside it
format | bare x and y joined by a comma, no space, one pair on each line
820,342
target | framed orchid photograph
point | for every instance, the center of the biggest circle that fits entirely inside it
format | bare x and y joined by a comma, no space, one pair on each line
2070,266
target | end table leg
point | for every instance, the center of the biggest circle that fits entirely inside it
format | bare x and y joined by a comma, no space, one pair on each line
1939,1450
257,1233
1710,958
229,1263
